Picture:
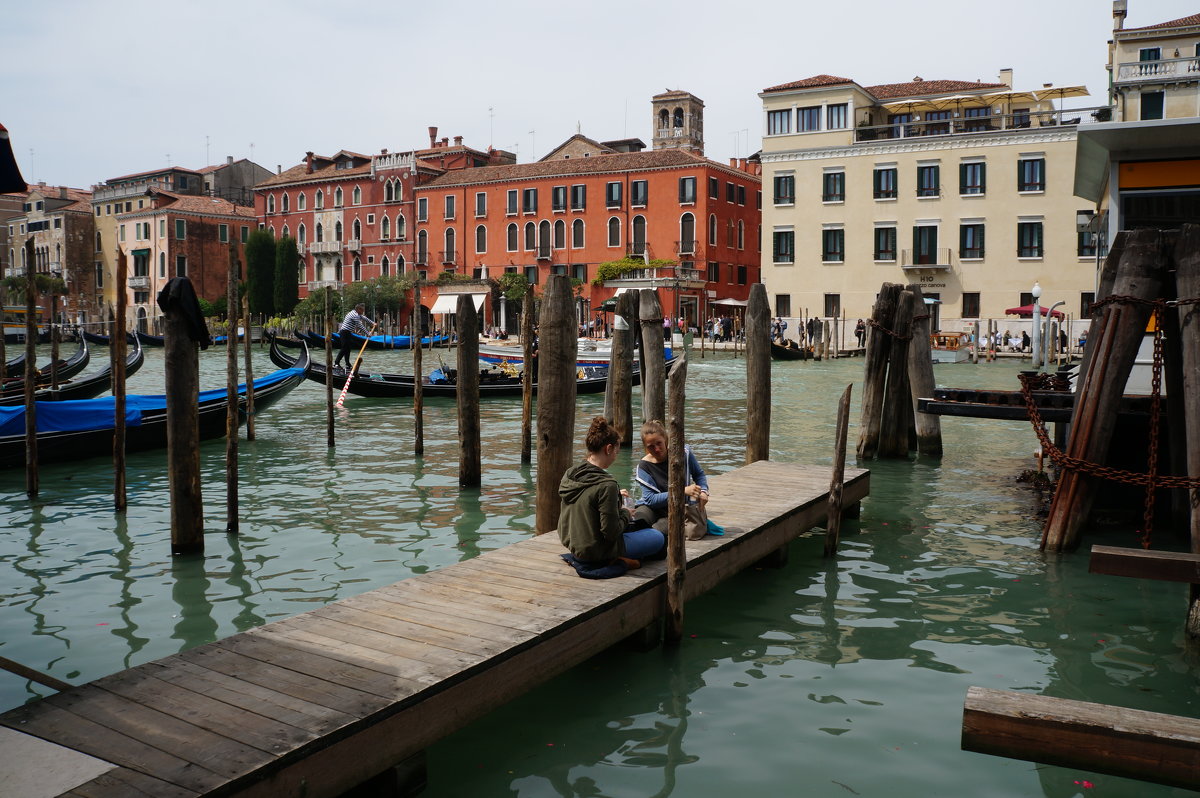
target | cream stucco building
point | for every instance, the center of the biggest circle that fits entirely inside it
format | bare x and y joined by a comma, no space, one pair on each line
966,188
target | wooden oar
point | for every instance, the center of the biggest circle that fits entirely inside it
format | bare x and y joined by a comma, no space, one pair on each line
354,368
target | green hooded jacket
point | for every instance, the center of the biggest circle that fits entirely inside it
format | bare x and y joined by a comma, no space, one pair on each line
591,520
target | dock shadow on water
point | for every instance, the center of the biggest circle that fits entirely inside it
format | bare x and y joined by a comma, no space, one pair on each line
822,678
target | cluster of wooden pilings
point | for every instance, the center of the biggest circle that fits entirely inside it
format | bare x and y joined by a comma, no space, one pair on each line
899,369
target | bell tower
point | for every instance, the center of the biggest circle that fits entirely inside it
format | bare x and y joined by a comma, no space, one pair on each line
678,121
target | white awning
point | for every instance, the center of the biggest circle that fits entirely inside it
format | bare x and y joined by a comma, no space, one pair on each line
740,303
448,303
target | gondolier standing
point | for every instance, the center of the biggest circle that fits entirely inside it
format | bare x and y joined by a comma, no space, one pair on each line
354,322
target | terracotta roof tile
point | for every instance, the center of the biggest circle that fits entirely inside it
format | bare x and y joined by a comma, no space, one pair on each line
1182,22
299,174
810,83
615,162
153,172
923,88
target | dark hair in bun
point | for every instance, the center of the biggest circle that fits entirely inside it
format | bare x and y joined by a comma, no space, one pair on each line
600,434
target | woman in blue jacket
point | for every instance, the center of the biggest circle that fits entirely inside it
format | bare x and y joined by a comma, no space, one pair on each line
652,477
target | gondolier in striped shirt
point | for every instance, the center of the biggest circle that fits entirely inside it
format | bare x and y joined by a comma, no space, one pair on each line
354,322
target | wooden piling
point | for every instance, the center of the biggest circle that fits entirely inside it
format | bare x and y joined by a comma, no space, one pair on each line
978,342
879,348
116,345
920,377
31,336
618,393
557,356
249,370
418,332
650,318
470,466
1118,331
1187,286
676,500
758,375
53,341
231,393
527,374
833,517
329,434
181,364
898,404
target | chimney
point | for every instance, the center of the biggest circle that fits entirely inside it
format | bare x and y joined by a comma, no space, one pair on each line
229,160
278,168
383,151
458,141
432,136
1120,9
308,156
733,163
62,192
742,164
1006,76
445,141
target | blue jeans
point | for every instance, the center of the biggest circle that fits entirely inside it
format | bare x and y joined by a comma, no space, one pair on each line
643,543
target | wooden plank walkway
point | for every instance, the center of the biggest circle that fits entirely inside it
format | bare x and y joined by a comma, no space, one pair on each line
318,703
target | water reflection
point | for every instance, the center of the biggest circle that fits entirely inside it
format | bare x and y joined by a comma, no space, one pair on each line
122,574
190,590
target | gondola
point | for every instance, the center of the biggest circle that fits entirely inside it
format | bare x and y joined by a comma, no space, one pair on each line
440,382
15,367
145,339
317,340
87,387
79,429
791,352
15,386
103,340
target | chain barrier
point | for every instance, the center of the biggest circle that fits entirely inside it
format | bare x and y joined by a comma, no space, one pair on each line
1151,479
893,333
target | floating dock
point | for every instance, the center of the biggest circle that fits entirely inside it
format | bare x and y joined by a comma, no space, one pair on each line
321,702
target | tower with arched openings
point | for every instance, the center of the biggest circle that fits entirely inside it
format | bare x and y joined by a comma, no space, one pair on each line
678,121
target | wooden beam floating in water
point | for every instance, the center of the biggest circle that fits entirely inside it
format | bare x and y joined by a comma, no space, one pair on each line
1165,566
1148,746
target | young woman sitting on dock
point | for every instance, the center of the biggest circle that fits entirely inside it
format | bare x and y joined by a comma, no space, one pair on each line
592,523
652,476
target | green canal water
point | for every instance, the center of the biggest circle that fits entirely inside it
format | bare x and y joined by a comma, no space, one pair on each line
819,679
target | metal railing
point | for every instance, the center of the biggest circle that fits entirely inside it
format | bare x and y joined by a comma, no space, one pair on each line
939,258
686,247
448,256
967,125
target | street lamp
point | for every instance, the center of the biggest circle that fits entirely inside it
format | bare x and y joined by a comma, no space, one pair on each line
1037,328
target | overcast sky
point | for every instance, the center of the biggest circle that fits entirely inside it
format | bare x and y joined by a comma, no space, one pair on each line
95,90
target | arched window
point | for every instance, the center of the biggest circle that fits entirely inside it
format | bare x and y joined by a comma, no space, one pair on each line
383,266
741,234
664,118
286,231
284,203
614,232
385,228
99,246
712,229
387,191
356,196
530,236
357,230
512,238
357,271
480,239
320,199
301,234
337,197
422,246
270,203
687,233
337,231
337,270
301,202
320,232
678,117
401,227
400,264
544,239
271,229
639,235
451,238
577,234
560,234
396,194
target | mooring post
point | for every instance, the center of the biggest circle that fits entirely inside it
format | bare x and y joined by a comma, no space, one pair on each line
1099,391
470,465
417,326
31,336
1187,287
117,344
53,341
654,369
528,373
557,356
897,403
676,500
181,364
833,515
329,435
618,393
978,341
920,377
231,393
249,370
879,349
758,375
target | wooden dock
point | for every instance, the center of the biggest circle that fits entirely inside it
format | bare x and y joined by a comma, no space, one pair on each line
318,703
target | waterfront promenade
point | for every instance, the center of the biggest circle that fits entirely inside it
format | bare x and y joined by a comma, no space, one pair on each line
322,701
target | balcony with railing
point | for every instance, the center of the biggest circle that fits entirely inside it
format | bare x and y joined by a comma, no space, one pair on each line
448,256
1160,70
666,275
139,283
636,249
937,259
324,247
353,244
317,285
1018,120
686,247
543,252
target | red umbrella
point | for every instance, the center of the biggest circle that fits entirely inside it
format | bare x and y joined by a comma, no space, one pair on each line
1026,312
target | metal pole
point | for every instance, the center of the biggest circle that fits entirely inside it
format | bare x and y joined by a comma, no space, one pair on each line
1036,347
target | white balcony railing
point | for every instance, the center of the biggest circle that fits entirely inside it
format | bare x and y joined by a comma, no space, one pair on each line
319,247
353,244
317,285
1163,69
141,283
